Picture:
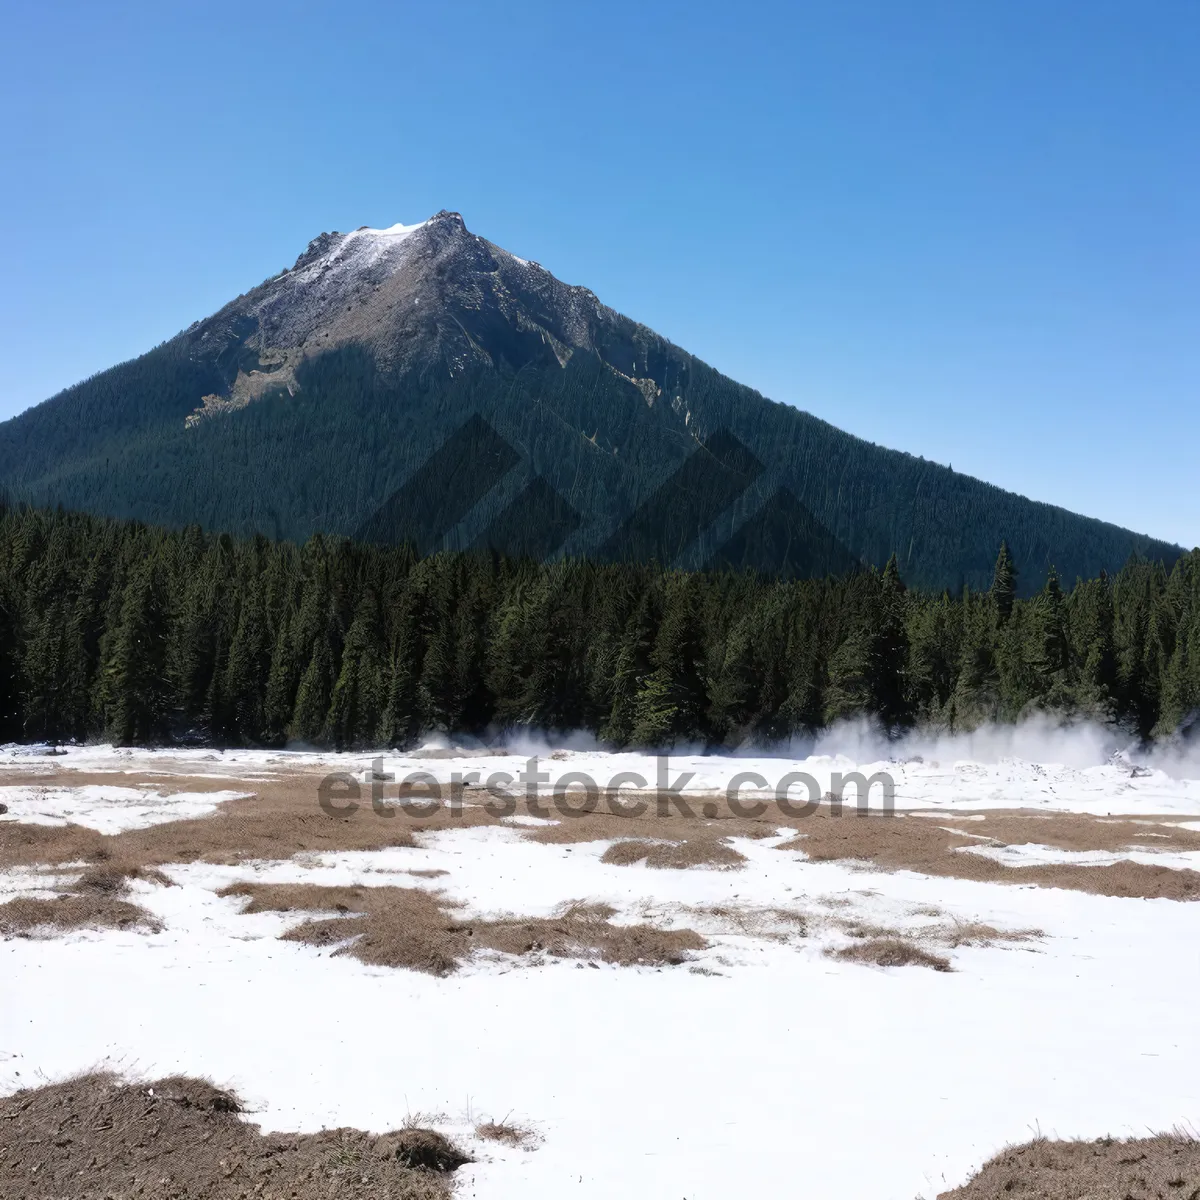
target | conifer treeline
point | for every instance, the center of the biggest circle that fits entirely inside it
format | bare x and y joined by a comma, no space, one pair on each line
140,635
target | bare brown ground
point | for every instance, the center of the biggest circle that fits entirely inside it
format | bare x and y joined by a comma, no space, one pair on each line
96,1138
1107,1169
408,927
282,818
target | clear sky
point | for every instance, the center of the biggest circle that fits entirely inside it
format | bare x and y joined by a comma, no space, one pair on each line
970,230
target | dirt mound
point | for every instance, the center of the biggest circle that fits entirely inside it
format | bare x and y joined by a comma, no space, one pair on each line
96,1138
1107,1169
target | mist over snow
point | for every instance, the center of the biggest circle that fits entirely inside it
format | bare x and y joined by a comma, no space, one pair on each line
1036,739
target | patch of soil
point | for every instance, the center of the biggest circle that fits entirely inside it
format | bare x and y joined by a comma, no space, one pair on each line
96,1138
1107,1169
675,856
409,927
891,952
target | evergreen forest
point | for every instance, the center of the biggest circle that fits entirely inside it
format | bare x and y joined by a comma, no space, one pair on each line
117,630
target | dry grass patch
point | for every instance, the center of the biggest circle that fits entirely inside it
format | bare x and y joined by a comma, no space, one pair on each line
769,924
888,947
1106,1169
707,820
281,818
408,927
866,930
900,843
113,879
976,933
95,901
674,856
422,1150
96,1136
27,916
507,1133
891,952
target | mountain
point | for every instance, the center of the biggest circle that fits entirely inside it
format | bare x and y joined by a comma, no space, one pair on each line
421,384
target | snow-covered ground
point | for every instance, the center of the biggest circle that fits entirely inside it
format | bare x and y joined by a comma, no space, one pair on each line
1030,854
1082,778
106,809
779,1071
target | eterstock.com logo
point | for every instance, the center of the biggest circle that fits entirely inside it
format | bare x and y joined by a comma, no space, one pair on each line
535,792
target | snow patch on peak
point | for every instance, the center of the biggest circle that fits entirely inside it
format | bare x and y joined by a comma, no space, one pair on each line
367,246
394,233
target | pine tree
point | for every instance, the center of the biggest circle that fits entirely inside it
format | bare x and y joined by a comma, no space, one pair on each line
358,696
1050,646
247,669
1090,626
283,679
976,690
888,655
670,700
631,667
313,696
1004,584
134,687
935,647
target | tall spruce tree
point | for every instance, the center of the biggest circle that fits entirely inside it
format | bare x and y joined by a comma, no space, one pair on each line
1004,584
134,686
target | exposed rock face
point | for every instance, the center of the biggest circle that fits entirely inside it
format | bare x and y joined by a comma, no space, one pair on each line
428,296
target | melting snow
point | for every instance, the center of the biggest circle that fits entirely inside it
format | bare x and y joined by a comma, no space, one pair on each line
785,1072
106,809
1030,854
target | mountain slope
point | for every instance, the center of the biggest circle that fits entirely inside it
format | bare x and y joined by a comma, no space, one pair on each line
420,383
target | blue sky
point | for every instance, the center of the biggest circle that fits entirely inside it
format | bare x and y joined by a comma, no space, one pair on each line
966,230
